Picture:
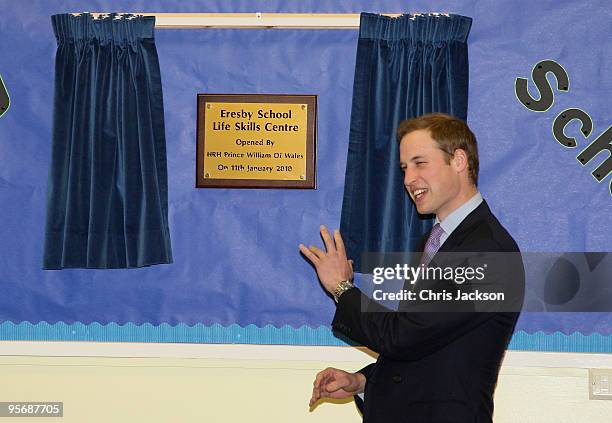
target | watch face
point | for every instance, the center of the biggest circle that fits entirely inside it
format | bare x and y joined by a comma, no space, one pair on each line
4,98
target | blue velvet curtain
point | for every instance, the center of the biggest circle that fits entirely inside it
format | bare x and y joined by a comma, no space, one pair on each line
107,201
406,67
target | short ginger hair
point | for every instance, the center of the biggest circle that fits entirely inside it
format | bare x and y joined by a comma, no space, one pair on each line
450,133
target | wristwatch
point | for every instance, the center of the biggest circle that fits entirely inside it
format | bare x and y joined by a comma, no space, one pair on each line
342,287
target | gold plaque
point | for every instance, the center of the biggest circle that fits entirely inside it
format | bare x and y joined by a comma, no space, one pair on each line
256,141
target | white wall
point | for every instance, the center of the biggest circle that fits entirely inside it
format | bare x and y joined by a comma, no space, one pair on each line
101,382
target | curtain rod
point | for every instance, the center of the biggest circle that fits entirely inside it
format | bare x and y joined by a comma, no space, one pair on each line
258,20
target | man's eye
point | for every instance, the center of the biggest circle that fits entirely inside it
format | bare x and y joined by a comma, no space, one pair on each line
419,163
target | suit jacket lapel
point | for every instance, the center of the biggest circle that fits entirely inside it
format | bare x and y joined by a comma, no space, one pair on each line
465,228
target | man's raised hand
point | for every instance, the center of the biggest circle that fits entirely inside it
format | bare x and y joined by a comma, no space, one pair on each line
331,265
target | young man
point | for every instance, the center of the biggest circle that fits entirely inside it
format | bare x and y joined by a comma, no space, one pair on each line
432,366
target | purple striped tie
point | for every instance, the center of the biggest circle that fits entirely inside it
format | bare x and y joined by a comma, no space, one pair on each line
433,244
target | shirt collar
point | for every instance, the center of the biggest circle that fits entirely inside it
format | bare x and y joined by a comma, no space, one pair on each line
450,223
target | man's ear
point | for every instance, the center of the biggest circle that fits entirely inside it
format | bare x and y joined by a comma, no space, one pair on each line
459,161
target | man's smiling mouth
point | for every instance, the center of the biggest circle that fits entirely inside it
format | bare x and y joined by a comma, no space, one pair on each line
418,193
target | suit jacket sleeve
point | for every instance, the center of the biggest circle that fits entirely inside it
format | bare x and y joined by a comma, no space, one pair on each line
401,335
366,371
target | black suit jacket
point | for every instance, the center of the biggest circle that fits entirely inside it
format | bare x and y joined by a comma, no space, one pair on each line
437,367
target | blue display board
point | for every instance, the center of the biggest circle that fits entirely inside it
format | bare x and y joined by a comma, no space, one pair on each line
237,274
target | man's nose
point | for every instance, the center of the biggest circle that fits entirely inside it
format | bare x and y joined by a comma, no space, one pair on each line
409,177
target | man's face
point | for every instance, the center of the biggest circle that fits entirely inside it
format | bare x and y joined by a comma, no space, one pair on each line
432,183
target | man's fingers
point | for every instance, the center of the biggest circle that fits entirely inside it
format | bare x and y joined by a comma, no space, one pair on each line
314,397
309,254
316,251
322,375
323,382
329,243
339,244
316,387
318,378
326,377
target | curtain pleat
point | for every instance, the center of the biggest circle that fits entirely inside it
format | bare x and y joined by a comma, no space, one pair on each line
406,67
107,197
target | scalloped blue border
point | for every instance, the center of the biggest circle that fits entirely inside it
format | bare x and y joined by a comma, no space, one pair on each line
267,335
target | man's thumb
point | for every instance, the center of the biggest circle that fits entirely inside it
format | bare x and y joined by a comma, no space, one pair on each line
333,386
